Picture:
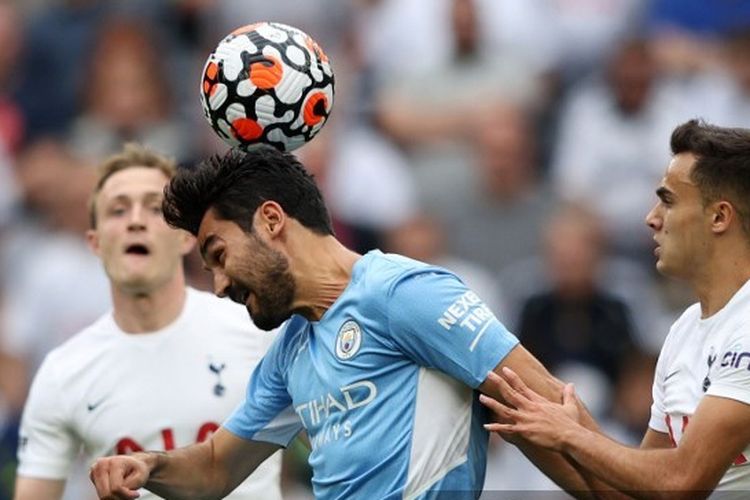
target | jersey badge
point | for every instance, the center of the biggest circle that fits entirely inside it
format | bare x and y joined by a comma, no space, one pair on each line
217,368
709,361
349,340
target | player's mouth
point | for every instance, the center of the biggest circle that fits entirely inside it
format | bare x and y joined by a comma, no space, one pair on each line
138,249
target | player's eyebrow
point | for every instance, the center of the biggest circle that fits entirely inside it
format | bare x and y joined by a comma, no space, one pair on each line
153,195
664,194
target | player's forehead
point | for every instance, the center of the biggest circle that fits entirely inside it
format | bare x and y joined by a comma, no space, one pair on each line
677,178
134,182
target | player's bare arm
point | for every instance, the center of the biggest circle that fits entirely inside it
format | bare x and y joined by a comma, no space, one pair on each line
655,439
554,465
211,469
717,434
33,488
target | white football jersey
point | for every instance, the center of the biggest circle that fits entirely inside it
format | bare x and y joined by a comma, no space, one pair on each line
705,357
107,392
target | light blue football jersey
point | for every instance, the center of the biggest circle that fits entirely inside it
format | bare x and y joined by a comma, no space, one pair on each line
384,385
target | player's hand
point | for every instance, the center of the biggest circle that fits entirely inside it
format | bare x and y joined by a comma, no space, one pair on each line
119,477
531,416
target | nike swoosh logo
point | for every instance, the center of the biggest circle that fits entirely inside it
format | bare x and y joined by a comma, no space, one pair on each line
92,407
671,375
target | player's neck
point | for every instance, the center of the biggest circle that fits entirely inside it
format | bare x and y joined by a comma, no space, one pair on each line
148,312
322,270
722,277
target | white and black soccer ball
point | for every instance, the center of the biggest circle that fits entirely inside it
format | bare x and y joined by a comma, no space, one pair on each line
267,83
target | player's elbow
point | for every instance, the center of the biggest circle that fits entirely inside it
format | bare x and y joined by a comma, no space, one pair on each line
684,481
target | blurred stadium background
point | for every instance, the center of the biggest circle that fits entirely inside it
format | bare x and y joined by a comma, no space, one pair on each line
517,142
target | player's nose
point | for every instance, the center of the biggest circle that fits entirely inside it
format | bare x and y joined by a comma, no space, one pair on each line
653,220
222,284
136,218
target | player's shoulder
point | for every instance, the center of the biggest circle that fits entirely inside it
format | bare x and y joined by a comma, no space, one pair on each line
680,332
738,307
83,348
684,325
97,333
387,270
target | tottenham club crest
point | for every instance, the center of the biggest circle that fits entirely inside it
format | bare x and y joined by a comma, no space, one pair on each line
710,362
348,340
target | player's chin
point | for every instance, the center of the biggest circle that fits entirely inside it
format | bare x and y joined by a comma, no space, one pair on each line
138,282
672,269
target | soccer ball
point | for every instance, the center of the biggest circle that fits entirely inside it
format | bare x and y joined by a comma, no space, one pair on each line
267,83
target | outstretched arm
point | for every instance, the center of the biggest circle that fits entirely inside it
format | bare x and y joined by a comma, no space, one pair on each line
32,488
211,469
718,432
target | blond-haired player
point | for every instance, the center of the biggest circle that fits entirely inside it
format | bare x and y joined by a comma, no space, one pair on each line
162,370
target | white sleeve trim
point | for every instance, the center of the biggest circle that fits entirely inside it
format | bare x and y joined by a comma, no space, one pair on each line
730,392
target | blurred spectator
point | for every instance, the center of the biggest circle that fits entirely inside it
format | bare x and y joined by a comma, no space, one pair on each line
590,30
688,37
571,37
324,20
610,150
414,30
697,17
8,190
58,43
730,104
631,401
127,96
11,42
11,118
365,180
436,114
576,321
501,223
45,256
422,238
419,30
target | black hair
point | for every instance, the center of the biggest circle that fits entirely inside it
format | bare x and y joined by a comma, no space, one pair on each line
235,184
722,166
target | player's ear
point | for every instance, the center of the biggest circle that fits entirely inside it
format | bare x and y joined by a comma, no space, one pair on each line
722,215
187,242
92,240
270,218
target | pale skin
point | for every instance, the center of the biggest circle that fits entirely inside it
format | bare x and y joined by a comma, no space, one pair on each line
322,268
148,291
705,246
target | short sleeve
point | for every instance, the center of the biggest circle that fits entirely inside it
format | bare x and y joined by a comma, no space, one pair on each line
440,323
658,420
731,378
47,445
267,413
